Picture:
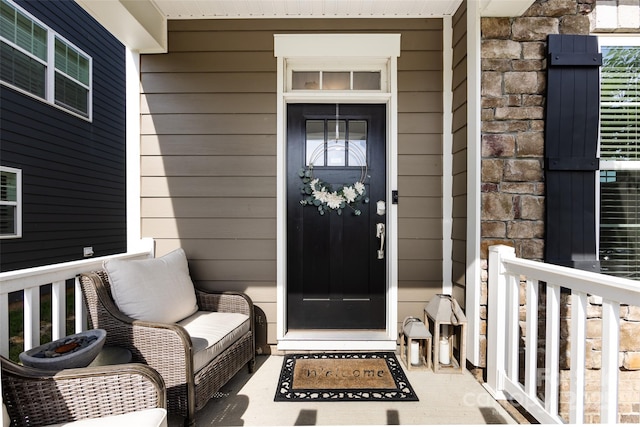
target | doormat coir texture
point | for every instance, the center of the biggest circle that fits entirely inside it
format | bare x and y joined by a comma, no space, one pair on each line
335,377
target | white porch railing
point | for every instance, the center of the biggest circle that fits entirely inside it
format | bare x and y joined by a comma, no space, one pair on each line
505,378
31,279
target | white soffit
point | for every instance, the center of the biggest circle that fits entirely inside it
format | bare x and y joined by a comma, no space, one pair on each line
138,24
243,9
142,24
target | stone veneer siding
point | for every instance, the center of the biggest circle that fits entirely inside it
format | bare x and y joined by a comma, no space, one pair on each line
513,103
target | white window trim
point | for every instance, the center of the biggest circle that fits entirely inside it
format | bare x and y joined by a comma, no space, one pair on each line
341,51
18,203
608,164
49,98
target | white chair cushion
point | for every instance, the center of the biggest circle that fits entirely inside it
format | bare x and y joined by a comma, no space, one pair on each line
212,332
156,417
156,290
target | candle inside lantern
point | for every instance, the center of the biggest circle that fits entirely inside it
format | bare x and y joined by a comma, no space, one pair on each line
415,353
444,355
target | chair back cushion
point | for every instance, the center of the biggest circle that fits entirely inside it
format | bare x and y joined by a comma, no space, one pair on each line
155,290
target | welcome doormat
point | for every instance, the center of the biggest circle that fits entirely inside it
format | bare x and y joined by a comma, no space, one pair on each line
343,377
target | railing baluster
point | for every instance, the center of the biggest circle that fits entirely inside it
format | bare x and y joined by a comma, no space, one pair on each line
81,311
513,319
610,342
578,337
31,317
531,345
552,352
58,310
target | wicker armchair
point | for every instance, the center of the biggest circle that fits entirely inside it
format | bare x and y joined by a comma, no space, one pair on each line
168,348
34,397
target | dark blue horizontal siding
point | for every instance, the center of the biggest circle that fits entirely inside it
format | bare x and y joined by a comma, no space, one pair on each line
74,172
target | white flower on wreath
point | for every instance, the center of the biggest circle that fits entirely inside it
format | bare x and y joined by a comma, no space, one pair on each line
350,194
317,193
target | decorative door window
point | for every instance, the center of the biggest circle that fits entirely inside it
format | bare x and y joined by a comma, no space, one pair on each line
336,143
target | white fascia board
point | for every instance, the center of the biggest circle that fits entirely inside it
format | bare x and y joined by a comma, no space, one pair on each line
505,8
337,45
138,24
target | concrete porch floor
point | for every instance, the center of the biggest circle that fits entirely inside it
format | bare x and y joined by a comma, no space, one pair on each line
247,400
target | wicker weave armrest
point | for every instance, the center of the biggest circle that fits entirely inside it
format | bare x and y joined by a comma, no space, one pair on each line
224,302
38,397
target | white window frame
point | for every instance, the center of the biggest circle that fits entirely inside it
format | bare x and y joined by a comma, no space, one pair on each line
607,164
17,204
50,69
622,40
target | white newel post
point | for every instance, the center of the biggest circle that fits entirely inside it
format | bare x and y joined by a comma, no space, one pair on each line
496,318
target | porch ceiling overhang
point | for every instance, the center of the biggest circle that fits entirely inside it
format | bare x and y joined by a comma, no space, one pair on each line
142,24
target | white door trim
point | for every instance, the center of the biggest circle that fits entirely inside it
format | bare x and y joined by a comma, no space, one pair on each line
349,50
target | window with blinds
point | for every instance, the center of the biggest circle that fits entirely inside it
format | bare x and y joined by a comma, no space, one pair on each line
619,104
620,161
26,57
72,78
10,203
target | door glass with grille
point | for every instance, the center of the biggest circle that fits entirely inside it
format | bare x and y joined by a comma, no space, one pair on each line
336,143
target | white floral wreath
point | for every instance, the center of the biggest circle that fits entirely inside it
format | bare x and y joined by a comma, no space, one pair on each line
320,194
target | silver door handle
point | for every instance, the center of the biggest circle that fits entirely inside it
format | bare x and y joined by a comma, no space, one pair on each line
380,232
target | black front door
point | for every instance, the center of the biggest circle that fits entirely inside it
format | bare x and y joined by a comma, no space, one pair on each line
336,216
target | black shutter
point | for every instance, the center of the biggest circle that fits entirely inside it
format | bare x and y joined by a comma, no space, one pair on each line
571,144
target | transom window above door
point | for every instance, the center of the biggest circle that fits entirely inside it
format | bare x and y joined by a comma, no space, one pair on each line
336,80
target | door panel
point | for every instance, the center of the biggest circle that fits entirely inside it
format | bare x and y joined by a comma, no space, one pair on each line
335,279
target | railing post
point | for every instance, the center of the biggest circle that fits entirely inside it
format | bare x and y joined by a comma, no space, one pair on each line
610,354
578,336
31,318
496,318
80,309
552,349
531,340
58,310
